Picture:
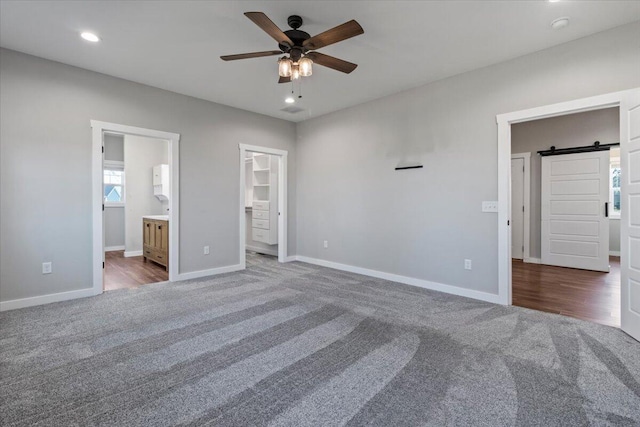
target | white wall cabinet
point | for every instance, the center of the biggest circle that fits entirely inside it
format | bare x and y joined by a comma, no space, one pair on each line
265,199
161,182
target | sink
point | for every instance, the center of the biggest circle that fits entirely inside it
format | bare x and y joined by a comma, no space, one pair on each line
158,217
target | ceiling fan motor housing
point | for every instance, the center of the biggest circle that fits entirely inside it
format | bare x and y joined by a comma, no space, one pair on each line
296,36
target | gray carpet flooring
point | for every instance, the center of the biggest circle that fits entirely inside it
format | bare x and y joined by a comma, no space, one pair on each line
300,345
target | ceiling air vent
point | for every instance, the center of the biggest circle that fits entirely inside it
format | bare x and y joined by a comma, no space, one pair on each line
292,109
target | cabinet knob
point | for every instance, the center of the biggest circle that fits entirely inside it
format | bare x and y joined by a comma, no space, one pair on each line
159,227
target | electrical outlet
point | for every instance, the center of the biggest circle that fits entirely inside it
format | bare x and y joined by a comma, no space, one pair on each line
206,250
326,244
467,264
491,206
46,268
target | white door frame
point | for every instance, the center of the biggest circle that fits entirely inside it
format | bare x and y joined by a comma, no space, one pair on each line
98,130
282,200
526,256
505,121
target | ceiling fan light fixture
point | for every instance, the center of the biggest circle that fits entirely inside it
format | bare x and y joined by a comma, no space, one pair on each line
305,67
285,66
295,71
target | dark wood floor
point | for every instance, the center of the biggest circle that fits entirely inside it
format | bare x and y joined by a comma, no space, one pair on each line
121,272
587,295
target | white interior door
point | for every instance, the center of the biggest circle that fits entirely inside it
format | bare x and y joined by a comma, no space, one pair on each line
630,214
575,229
517,208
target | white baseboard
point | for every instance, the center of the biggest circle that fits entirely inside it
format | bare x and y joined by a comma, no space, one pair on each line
533,260
614,253
46,299
129,254
210,272
291,258
434,286
261,250
114,248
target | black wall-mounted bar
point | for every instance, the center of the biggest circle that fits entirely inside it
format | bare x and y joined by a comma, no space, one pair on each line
408,167
586,149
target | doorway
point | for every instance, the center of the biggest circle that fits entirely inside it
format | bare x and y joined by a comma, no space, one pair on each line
135,206
136,216
263,202
570,227
629,103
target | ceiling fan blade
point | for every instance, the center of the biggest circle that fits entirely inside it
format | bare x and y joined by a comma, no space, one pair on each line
284,80
250,55
267,25
332,62
334,35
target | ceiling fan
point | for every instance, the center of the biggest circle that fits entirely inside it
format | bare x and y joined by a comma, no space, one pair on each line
300,46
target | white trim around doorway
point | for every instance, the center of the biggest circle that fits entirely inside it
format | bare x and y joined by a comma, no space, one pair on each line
505,121
282,201
98,130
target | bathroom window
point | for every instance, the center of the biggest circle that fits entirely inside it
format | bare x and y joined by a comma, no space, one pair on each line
113,182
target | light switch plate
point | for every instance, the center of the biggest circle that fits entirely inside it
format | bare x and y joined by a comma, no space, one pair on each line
46,268
490,206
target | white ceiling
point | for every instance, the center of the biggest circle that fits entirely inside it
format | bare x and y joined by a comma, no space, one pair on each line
175,45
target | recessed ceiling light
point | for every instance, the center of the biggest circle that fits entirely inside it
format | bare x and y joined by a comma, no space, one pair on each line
560,23
90,37
554,1
290,100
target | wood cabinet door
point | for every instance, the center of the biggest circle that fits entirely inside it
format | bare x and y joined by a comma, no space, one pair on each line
161,236
164,237
147,233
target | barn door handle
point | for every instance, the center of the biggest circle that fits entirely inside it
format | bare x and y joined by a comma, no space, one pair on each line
606,209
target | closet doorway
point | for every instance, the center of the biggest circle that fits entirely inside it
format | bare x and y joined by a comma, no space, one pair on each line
263,202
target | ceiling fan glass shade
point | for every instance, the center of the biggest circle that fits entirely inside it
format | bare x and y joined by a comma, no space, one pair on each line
305,67
295,71
284,67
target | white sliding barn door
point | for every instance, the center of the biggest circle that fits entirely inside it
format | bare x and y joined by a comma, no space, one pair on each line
630,214
574,229
517,208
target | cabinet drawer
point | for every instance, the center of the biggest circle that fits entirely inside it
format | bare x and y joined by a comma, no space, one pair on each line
159,257
262,206
257,214
260,235
260,223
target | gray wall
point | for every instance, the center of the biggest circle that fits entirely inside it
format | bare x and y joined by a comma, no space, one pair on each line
563,132
141,155
113,226
114,215
423,223
614,235
45,146
114,147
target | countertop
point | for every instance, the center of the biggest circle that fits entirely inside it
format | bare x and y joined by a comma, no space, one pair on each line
158,217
